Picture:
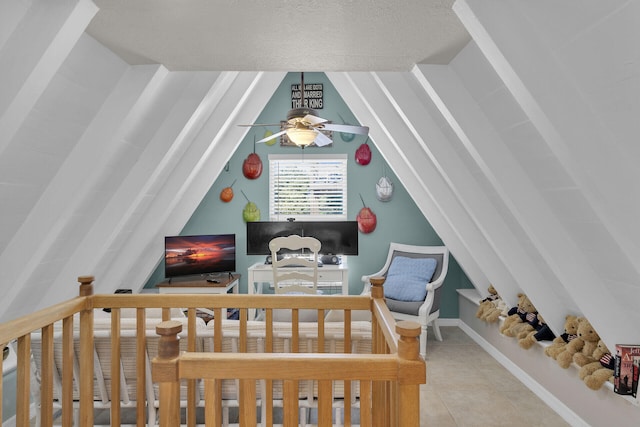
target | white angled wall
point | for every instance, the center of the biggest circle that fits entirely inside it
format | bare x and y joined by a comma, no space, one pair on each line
520,153
554,63
98,159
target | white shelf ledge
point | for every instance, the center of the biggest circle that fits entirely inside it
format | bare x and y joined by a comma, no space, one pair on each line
561,388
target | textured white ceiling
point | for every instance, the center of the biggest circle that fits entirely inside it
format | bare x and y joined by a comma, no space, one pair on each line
280,35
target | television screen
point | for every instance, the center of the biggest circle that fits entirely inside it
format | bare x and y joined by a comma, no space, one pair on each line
203,254
337,237
260,233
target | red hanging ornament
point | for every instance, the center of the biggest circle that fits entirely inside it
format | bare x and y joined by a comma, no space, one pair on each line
367,220
252,165
363,154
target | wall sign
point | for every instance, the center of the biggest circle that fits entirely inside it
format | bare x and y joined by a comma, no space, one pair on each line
313,96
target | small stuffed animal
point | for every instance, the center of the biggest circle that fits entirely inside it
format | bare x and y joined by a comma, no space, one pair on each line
595,374
512,315
521,321
558,343
491,307
487,303
492,315
589,352
541,333
580,349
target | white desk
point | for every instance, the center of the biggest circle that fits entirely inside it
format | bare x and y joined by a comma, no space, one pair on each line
328,276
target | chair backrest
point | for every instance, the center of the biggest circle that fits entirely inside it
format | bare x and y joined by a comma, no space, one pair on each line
298,271
439,253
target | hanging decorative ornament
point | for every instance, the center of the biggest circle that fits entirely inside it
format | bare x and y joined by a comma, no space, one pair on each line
271,141
226,195
384,187
363,154
250,213
367,220
346,137
252,165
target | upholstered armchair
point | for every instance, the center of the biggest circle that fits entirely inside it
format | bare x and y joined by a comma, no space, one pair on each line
413,283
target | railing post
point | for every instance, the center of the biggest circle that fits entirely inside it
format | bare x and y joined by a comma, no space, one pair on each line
164,370
412,371
86,353
379,403
376,287
86,285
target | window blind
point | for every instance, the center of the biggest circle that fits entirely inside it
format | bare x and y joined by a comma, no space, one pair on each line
308,187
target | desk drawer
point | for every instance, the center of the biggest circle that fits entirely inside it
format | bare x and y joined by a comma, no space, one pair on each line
330,276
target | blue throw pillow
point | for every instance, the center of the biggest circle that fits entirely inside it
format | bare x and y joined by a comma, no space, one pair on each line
407,278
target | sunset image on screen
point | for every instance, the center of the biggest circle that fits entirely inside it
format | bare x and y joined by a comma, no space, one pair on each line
190,255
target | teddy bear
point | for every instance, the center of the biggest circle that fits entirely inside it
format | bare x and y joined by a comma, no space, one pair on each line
580,349
595,374
512,315
591,339
491,307
487,303
558,343
492,315
522,319
542,332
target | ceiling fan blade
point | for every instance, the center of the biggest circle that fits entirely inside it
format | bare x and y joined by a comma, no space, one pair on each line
360,130
261,124
322,140
313,120
270,137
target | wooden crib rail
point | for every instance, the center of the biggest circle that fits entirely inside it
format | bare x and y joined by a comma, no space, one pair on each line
389,383
67,335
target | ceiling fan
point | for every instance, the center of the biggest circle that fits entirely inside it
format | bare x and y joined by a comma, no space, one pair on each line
303,126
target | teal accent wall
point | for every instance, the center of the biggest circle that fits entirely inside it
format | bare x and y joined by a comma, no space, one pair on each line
399,220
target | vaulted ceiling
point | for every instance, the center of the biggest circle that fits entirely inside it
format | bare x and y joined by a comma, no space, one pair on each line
517,146
276,35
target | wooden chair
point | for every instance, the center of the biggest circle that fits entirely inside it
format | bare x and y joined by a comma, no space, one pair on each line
427,311
298,271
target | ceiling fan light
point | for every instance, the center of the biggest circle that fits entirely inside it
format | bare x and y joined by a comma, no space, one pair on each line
301,136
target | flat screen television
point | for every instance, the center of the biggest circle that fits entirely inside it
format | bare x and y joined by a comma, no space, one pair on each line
208,254
260,233
337,237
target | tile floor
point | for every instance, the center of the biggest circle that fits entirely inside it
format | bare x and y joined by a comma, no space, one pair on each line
467,387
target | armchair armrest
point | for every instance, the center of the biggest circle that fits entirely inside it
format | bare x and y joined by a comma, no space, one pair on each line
366,288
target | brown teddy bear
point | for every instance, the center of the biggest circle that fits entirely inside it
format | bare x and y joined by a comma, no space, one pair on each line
512,315
492,315
542,332
595,374
591,339
558,343
487,302
580,349
492,307
522,319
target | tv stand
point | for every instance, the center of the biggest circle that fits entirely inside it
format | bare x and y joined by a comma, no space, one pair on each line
199,285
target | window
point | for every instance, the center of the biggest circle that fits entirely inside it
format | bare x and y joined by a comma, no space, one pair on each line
308,187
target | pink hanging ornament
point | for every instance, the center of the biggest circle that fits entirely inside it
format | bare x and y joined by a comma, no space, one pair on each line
363,154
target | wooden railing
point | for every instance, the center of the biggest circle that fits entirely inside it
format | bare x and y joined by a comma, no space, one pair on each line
388,379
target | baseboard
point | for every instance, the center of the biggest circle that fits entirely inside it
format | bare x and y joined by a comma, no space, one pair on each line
448,322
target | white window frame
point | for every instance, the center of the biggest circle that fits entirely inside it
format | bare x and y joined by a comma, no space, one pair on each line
332,169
